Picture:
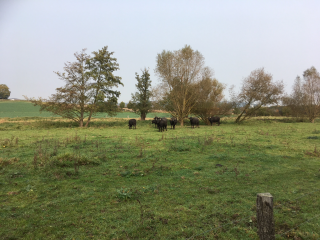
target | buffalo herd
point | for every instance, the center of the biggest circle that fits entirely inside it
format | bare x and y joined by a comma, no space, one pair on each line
161,123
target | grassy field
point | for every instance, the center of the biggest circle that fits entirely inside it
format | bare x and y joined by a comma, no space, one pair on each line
108,182
14,109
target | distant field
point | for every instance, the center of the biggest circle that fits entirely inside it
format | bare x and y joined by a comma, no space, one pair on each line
133,115
13,109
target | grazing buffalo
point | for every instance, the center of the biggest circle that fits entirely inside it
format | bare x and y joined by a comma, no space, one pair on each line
155,121
162,124
194,121
132,122
214,120
173,122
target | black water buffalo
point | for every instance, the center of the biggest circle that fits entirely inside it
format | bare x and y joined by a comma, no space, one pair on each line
155,121
162,124
173,122
132,122
214,120
194,121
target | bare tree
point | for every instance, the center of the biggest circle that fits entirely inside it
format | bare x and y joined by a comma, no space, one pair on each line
258,90
224,107
88,81
156,97
235,104
179,72
311,88
295,102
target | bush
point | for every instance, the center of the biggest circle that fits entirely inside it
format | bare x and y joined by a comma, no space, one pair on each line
68,160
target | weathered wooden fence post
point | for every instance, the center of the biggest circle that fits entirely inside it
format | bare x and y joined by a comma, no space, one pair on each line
265,216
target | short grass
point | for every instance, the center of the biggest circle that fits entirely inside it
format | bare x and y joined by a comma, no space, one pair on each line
18,109
108,182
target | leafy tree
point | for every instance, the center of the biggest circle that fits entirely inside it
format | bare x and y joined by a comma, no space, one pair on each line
88,82
130,105
4,91
257,90
209,95
179,72
122,105
110,106
141,99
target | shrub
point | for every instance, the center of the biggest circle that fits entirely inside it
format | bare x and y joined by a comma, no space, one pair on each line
68,160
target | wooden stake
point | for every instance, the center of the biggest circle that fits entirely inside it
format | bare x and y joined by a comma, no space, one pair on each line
265,216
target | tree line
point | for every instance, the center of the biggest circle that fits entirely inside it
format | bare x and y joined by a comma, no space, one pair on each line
304,101
186,87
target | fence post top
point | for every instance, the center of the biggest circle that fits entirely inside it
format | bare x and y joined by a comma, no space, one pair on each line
264,195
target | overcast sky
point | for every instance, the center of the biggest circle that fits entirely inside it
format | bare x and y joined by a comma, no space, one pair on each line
235,37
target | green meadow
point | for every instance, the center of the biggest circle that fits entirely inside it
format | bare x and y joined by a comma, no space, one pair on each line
58,181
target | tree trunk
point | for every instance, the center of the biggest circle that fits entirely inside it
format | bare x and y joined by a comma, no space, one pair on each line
143,116
89,118
81,118
181,122
206,121
239,117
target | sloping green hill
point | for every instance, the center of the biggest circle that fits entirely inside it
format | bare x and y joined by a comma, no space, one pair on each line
13,109
20,109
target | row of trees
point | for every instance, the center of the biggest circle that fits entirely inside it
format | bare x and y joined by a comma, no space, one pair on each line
304,101
186,87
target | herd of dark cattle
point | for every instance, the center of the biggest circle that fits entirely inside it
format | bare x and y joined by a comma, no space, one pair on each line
162,123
